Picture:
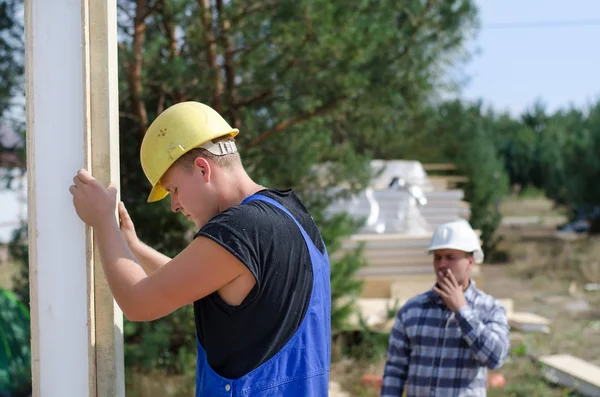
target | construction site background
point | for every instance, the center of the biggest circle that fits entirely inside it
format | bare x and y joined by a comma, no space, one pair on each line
327,95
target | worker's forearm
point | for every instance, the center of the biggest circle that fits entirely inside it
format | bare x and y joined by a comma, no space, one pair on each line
490,341
149,258
120,265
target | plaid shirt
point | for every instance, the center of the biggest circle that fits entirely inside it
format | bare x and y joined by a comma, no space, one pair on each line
435,352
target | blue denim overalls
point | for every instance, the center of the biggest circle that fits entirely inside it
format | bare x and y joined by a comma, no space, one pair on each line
301,367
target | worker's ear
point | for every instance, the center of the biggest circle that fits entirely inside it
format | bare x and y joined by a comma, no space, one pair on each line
471,258
203,166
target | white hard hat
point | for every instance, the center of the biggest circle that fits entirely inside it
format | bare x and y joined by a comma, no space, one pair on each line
458,235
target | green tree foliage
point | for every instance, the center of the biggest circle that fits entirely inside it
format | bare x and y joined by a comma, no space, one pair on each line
554,152
517,145
19,252
12,151
15,370
587,164
343,284
15,353
11,60
570,157
487,182
463,134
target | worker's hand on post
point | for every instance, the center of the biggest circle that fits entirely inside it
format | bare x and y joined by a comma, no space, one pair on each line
94,203
127,227
450,291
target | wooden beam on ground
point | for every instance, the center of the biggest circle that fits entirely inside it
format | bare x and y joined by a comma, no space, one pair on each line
449,178
528,322
572,372
439,167
508,304
71,123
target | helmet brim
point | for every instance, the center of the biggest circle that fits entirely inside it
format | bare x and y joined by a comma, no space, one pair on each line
477,252
157,193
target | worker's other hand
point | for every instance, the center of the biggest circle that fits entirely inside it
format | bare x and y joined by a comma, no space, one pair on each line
450,291
94,203
127,227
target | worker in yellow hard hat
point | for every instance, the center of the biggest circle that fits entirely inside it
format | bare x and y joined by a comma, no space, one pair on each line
256,272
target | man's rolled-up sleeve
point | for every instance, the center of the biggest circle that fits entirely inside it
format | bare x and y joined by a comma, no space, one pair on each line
489,339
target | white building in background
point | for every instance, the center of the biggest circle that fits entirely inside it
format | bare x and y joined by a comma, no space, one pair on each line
13,196
13,202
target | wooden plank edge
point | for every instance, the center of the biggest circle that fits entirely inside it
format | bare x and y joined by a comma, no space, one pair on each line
31,210
104,113
565,376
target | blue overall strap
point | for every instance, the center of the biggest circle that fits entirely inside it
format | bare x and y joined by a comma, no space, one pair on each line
301,367
269,200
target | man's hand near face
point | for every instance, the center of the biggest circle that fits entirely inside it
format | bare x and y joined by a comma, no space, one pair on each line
450,291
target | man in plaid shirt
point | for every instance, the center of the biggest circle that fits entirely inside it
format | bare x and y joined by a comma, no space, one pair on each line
444,340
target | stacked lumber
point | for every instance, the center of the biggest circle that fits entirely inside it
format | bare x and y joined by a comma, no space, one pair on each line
390,253
528,322
445,206
443,176
398,211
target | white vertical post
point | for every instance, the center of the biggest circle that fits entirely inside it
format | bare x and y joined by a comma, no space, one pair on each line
66,120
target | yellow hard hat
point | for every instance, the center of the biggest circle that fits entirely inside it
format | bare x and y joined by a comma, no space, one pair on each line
177,130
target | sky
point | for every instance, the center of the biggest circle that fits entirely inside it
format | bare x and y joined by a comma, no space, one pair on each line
535,49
